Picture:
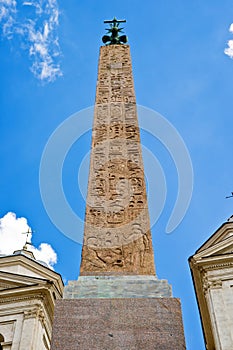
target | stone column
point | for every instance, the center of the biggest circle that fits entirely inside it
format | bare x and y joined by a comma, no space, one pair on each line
32,330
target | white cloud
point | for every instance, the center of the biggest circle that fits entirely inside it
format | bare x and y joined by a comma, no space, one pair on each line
45,70
3,13
38,33
11,239
45,253
7,16
229,50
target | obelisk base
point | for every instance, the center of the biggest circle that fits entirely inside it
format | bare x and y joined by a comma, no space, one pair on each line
124,286
118,324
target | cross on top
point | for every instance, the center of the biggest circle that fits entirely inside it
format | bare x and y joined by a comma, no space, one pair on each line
113,38
29,231
115,21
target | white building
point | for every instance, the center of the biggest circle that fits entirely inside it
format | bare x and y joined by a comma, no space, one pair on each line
28,290
212,272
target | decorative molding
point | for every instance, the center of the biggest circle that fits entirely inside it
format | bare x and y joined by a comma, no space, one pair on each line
4,300
203,265
5,286
207,285
36,312
218,265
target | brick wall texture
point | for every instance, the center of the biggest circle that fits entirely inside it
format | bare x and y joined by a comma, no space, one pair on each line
117,324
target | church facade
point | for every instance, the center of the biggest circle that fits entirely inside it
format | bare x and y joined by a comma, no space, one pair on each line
212,273
28,291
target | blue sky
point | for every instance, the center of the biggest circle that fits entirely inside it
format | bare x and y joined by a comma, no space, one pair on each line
48,73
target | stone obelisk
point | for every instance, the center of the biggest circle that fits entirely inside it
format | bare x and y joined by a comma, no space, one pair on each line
117,237
117,302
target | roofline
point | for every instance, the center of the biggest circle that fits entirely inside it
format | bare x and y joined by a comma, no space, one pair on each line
46,281
219,228
34,261
18,274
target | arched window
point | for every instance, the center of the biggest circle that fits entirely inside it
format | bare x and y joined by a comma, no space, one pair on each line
1,341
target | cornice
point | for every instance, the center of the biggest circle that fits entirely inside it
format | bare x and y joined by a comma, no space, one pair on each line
211,262
224,228
219,265
15,298
5,286
31,265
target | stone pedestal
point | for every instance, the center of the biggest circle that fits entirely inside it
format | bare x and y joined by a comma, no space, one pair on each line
118,324
139,286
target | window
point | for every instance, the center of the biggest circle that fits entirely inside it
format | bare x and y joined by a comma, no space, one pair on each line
1,341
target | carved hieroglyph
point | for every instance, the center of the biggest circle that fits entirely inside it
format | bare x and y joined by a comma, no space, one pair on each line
117,237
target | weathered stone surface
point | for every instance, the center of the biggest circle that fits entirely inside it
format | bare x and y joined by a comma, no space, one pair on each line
117,237
117,287
118,324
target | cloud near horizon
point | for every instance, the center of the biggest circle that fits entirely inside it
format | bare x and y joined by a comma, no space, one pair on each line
35,23
11,239
229,50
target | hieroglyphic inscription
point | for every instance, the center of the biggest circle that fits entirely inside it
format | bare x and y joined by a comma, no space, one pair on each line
117,236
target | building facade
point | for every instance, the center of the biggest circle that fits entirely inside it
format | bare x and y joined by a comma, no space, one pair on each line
28,290
212,272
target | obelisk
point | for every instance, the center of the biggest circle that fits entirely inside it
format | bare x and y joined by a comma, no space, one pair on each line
117,237
117,297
